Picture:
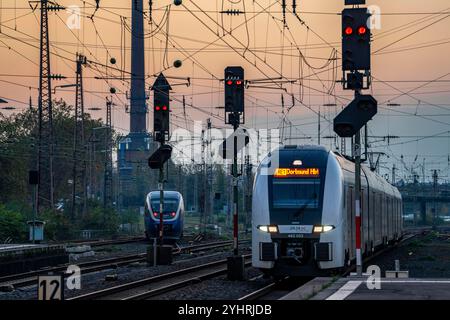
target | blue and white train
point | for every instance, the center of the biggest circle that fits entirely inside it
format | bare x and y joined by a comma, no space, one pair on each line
303,212
173,215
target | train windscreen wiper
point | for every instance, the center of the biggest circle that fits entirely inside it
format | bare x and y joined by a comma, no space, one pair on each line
303,207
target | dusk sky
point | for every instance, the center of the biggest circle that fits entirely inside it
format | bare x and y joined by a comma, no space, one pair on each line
410,66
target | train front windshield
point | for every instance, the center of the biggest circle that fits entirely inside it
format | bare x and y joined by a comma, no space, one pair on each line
296,193
170,205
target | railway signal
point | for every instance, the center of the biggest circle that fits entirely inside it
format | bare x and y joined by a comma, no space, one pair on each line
238,139
356,68
161,120
355,39
355,115
161,108
234,115
160,157
234,95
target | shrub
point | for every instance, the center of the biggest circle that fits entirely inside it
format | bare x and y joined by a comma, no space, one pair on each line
57,225
12,225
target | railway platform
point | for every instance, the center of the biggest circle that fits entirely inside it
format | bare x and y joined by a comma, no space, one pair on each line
357,288
16,258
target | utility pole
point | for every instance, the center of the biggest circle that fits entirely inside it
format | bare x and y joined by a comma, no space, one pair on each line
393,174
79,154
203,196
318,127
107,180
45,188
435,184
357,154
209,176
343,147
423,171
248,193
284,120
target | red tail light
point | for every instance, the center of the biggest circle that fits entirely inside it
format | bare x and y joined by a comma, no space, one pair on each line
238,82
229,82
173,214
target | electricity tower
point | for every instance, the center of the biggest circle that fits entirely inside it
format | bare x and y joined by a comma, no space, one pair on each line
45,189
79,148
108,184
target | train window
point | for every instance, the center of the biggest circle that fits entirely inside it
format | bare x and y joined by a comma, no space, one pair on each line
296,193
170,205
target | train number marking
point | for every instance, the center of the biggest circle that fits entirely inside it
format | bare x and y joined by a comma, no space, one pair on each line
292,229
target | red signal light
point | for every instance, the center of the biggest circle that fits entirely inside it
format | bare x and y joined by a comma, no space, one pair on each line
173,214
362,30
164,108
157,108
155,214
229,82
348,31
238,82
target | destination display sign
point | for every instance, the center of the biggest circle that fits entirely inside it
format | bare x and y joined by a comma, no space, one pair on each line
297,173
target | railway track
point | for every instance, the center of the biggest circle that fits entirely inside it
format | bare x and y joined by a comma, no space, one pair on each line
102,242
378,253
276,289
30,278
279,288
162,283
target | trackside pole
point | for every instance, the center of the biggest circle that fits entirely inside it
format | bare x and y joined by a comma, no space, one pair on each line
154,251
161,204
358,200
235,198
234,110
356,75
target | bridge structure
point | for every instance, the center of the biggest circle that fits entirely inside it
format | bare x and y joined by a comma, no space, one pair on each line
426,198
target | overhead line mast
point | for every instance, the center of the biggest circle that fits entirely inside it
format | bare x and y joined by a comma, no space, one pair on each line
79,182
45,188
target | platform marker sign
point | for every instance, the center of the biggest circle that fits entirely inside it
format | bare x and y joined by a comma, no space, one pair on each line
51,287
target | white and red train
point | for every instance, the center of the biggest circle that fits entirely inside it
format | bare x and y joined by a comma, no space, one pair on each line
303,213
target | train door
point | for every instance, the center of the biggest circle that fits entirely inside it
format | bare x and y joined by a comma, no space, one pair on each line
392,218
346,216
372,218
388,217
396,217
377,219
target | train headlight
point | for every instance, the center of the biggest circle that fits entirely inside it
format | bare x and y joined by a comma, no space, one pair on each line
320,229
270,229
